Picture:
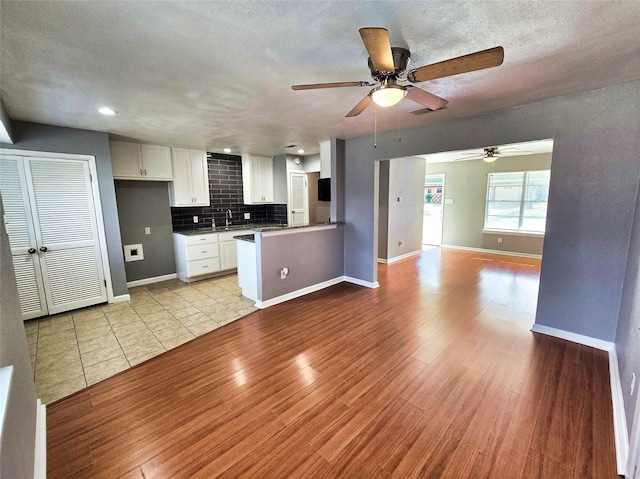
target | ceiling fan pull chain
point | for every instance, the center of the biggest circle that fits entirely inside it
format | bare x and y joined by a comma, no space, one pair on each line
375,126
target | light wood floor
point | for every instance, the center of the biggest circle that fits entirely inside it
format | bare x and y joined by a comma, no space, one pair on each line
434,374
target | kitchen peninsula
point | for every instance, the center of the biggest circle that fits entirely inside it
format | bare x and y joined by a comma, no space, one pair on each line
282,263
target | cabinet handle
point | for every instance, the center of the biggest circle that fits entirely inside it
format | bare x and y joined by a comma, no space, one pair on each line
141,174
145,172
31,250
43,249
205,265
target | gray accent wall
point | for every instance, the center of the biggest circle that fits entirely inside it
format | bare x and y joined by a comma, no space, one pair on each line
466,185
293,251
56,139
591,200
401,181
18,439
628,336
146,204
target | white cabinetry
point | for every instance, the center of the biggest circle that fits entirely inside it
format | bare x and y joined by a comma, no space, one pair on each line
257,179
190,186
196,255
136,161
228,252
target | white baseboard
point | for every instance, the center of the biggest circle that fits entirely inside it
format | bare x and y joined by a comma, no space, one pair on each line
40,460
155,279
360,282
617,399
121,298
573,337
299,292
398,258
619,419
492,251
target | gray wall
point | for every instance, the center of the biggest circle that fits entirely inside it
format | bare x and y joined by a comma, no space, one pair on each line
466,184
55,139
293,251
400,221
628,337
140,204
383,209
596,143
18,439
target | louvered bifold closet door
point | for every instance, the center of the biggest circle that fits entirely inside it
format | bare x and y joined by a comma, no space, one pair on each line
65,222
22,239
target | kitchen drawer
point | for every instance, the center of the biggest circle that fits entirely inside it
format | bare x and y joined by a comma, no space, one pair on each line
201,239
228,235
203,266
202,251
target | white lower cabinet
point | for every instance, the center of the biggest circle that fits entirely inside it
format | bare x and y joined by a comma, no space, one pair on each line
203,254
196,255
228,252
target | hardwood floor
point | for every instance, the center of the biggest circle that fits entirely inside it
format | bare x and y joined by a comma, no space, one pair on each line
434,374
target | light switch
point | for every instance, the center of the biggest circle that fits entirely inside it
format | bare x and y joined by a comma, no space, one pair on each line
147,230
195,219
247,216
448,201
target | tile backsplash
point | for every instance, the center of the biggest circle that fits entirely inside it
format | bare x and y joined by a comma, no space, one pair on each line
225,192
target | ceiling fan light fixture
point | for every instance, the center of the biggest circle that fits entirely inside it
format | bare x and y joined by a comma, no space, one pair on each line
490,157
388,95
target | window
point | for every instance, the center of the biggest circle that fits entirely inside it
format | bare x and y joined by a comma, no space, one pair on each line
517,201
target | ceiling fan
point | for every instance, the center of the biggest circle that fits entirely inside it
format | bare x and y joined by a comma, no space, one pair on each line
388,66
492,153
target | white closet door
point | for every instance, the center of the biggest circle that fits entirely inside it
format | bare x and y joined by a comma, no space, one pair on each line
298,198
64,218
22,239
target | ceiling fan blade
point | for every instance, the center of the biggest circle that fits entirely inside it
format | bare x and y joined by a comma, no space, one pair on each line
315,86
376,41
477,157
464,64
360,107
424,98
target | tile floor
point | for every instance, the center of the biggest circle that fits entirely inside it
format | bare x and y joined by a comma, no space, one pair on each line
70,351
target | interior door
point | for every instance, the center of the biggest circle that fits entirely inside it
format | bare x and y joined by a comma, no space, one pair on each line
65,224
22,237
298,199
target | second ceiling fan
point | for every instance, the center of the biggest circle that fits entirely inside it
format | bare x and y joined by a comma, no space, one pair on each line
388,67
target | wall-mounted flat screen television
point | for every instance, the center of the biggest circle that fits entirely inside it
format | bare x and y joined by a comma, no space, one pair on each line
324,189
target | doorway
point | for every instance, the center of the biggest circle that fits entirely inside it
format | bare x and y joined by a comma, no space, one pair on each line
433,210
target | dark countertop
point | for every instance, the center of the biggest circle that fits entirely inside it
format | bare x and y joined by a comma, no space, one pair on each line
308,225
248,238
258,228
222,229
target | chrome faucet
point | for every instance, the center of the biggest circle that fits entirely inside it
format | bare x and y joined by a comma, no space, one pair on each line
228,217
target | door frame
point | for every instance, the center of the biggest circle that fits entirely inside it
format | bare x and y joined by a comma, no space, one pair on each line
443,176
95,188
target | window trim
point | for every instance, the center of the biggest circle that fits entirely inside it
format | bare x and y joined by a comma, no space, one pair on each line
518,232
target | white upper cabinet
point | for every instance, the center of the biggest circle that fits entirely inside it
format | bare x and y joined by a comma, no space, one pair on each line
257,179
190,186
135,161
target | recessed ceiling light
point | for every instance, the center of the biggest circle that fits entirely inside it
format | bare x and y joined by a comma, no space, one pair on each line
301,151
227,150
105,110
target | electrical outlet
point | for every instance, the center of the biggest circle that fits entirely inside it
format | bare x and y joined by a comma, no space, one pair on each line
399,199
195,219
247,216
147,230
400,243
499,240
633,382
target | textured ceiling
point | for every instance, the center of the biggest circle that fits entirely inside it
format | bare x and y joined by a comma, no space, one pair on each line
218,74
